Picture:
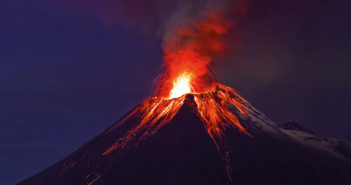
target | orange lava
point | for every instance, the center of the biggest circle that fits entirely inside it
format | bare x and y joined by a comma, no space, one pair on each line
187,56
215,108
153,114
181,86
190,50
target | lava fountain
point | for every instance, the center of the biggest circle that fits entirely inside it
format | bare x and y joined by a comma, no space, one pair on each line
181,86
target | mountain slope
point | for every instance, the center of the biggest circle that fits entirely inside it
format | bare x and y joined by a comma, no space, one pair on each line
182,152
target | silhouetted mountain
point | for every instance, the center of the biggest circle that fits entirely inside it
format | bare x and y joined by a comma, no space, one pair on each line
183,153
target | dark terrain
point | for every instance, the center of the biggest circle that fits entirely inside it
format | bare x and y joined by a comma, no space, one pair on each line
183,153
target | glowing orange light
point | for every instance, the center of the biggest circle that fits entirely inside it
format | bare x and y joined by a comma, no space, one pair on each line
181,86
188,54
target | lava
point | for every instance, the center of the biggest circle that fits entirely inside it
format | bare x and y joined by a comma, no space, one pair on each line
189,51
214,107
181,86
187,56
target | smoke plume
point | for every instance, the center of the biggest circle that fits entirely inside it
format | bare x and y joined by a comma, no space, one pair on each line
195,35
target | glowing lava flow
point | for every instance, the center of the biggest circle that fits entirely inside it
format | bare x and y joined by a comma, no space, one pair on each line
214,107
188,52
153,113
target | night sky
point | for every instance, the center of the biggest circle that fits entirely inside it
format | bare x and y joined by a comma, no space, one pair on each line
69,69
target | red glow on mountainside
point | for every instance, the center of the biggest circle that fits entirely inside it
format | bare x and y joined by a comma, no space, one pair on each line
216,108
187,56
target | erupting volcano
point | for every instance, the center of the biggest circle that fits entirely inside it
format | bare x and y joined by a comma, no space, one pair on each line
196,131
187,73
212,137
187,59
213,107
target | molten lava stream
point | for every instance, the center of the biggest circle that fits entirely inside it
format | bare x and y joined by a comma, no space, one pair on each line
212,106
153,114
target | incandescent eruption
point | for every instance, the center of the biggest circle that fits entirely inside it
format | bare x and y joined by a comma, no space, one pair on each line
187,59
181,86
213,107
197,131
215,137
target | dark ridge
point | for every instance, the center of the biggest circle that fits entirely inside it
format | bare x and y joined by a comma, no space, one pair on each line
344,149
294,125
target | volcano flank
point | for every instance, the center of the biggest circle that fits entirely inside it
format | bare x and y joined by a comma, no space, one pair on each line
213,138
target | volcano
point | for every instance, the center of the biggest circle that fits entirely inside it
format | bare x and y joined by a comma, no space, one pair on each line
214,138
196,131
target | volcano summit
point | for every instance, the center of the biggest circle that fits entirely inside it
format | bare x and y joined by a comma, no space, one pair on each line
214,138
196,131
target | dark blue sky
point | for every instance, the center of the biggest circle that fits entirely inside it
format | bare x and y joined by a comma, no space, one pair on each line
67,71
